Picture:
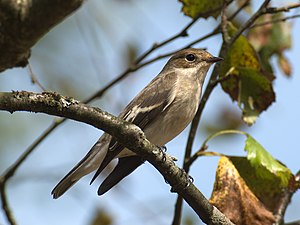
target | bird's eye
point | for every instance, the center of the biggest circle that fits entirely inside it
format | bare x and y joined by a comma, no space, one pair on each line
190,57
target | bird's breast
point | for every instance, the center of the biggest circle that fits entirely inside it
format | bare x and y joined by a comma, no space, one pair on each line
176,117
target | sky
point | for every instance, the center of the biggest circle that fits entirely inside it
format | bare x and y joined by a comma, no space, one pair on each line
84,53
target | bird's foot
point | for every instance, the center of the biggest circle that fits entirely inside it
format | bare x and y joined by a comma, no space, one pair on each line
188,180
163,150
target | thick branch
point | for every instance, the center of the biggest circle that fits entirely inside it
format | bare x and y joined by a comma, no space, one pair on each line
24,22
127,134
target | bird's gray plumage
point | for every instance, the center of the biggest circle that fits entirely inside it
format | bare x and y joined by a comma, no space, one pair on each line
162,110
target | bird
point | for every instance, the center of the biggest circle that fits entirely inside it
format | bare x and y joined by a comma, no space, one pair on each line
163,109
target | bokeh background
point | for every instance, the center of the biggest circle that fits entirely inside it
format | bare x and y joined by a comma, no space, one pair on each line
84,53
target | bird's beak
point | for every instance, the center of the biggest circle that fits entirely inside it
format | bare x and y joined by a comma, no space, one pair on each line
213,59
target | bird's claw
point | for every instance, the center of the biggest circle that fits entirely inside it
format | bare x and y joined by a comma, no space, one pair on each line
163,150
188,180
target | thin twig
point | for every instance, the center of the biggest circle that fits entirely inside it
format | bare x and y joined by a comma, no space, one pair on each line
224,23
205,146
297,222
261,11
274,21
285,200
182,33
253,18
33,78
9,216
271,10
245,4
214,32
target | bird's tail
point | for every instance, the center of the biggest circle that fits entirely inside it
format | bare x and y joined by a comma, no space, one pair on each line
89,163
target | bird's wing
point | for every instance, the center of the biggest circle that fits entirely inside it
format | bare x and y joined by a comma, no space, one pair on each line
141,111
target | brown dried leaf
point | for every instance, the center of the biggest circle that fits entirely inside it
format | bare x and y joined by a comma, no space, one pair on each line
284,65
233,197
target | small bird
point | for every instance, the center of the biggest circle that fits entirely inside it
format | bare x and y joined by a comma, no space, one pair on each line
163,109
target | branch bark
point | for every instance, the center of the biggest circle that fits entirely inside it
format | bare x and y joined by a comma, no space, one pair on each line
24,22
127,134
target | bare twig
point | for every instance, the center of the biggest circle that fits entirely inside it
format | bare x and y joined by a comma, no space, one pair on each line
274,21
253,18
287,195
33,78
293,223
9,216
224,23
261,11
182,33
271,10
282,205
245,4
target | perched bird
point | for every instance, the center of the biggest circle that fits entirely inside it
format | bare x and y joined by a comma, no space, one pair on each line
163,109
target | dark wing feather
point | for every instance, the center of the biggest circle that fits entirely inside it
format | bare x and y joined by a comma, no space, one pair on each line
125,166
111,154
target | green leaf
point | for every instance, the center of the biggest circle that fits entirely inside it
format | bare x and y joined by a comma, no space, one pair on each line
266,166
247,83
205,8
266,177
268,191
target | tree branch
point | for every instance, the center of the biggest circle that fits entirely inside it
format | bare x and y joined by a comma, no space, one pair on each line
287,8
282,205
18,18
126,133
4,202
274,21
